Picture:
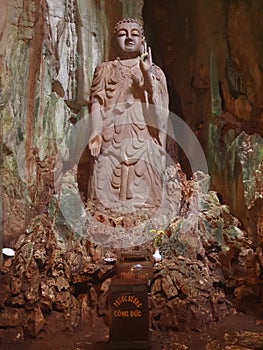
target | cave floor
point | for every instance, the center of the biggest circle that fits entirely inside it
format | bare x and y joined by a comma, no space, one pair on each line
236,332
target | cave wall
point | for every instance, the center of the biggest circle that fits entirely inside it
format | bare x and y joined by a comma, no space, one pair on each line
210,51
49,50
212,54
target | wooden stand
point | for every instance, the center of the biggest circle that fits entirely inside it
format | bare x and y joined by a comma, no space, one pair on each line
129,314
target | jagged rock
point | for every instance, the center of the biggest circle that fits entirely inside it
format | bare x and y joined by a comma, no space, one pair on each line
15,285
7,262
189,237
34,322
16,301
61,283
252,340
84,274
175,187
102,303
201,250
10,317
5,285
48,294
244,291
32,294
157,303
62,301
156,286
93,296
105,271
220,306
105,285
47,290
45,305
168,287
187,287
200,316
174,312
213,345
85,310
59,268
40,257
73,316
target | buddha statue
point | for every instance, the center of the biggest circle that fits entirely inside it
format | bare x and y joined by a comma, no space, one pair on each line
128,109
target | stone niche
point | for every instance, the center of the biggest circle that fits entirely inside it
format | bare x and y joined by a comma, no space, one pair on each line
213,67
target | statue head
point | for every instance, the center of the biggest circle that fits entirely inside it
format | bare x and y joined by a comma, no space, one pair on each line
129,38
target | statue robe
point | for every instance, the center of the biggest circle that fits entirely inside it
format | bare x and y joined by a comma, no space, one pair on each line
130,166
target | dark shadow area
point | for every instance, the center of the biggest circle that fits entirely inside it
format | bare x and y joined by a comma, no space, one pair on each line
160,21
85,171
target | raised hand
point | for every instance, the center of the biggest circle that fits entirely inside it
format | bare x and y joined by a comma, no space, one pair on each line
146,62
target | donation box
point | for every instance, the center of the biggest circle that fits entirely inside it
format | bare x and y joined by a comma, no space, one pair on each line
129,314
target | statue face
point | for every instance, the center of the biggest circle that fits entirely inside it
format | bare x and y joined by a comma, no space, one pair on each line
129,39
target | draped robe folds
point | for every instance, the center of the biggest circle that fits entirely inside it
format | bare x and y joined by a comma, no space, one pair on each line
130,166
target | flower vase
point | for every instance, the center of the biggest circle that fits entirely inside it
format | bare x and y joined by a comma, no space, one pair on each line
157,256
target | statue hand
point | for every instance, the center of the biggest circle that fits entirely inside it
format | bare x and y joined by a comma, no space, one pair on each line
95,146
146,62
